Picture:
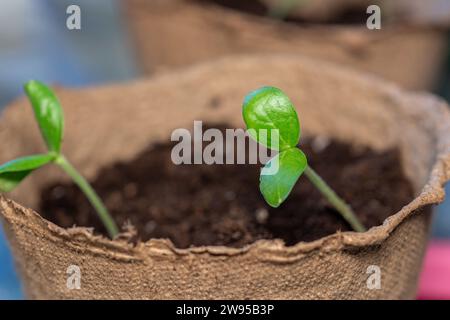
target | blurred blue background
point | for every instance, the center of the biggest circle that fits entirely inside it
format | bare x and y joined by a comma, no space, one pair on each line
35,43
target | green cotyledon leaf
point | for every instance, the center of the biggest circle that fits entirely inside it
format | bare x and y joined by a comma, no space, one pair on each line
280,174
48,113
13,172
267,111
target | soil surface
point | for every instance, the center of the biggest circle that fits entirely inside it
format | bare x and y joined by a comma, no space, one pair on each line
222,205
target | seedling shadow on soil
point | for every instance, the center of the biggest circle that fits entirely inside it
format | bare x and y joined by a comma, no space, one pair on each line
221,204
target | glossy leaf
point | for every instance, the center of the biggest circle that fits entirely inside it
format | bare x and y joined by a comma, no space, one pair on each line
277,186
48,113
269,108
13,172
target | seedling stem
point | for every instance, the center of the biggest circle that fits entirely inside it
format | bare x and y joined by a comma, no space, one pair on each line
89,192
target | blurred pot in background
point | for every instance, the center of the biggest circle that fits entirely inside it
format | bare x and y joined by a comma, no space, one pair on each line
408,49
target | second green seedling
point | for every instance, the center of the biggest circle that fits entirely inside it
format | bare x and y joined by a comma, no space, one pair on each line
50,118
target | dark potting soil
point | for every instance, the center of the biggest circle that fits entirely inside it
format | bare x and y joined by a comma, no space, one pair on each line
222,205
355,14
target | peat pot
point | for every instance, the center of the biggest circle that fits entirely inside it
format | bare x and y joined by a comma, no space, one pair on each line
115,122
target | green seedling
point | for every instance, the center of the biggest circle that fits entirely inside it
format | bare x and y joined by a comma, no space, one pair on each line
50,118
270,111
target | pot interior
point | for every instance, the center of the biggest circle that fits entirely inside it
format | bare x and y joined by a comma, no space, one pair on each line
111,123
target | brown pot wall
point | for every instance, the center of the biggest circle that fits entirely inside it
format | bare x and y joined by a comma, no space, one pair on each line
173,33
111,123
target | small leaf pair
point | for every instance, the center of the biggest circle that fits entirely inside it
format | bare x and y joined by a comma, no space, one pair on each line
269,110
49,115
